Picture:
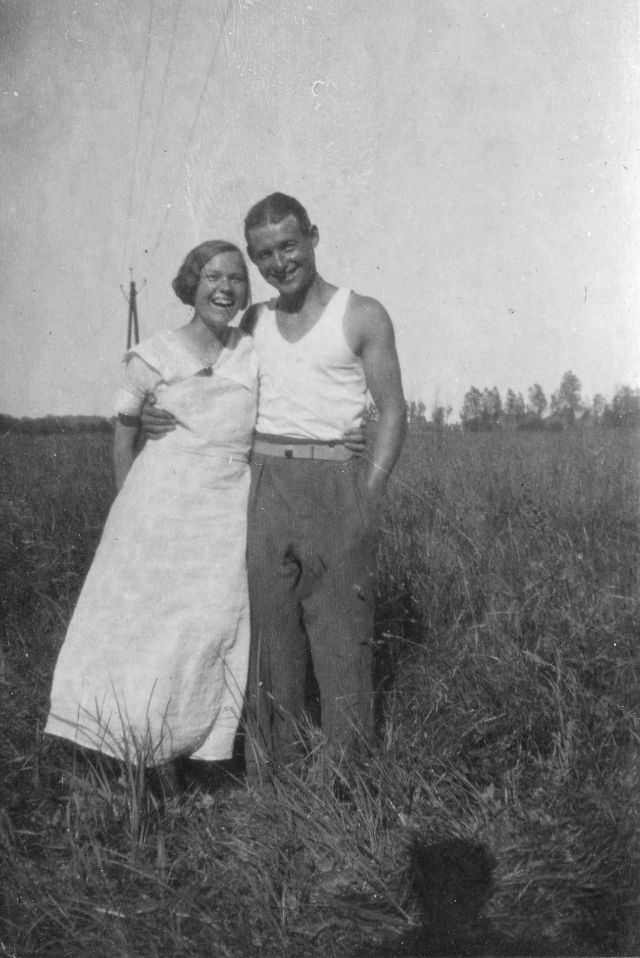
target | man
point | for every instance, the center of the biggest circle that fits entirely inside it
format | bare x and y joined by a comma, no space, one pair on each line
313,508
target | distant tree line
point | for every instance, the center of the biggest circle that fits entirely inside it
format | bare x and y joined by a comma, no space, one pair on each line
48,425
484,409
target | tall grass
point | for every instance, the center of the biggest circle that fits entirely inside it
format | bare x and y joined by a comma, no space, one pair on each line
525,695
499,811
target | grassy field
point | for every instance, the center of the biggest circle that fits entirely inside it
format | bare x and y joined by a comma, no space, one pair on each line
499,812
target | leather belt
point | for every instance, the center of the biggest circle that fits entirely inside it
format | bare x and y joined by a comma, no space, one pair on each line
301,450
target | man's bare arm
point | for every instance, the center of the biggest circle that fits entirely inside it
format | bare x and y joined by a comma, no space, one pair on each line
376,340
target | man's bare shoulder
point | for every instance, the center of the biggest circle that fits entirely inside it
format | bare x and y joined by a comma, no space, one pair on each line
367,319
366,307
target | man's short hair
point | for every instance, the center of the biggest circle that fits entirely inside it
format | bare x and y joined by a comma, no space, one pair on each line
273,209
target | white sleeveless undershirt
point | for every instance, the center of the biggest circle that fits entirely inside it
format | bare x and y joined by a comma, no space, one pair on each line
311,389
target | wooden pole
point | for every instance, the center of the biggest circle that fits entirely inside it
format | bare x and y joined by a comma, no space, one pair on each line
133,334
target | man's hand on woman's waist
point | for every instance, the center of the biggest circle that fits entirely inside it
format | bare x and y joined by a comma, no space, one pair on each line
155,422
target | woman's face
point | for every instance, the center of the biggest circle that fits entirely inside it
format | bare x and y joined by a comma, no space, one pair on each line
222,290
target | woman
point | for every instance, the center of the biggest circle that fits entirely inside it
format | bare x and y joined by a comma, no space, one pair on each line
154,662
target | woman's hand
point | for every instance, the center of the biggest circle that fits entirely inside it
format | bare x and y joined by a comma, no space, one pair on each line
356,440
155,422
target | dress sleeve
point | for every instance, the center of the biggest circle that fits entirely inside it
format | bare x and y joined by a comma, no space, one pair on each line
138,380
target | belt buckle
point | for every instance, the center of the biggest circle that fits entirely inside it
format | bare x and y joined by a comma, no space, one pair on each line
288,453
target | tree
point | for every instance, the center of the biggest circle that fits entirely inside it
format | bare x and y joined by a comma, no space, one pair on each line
472,406
514,408
625,407
598,407
537,400
440,415
567,401
492,412
481,410
416,411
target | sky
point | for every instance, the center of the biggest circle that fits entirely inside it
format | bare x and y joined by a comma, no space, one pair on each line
472,164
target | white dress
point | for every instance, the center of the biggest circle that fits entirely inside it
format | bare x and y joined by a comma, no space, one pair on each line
155,659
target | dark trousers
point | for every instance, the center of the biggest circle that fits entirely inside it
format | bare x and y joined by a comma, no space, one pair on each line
311,560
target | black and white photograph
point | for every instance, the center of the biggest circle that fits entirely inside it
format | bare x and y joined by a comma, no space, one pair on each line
320,478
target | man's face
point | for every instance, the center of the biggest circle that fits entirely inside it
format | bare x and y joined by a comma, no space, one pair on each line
284,255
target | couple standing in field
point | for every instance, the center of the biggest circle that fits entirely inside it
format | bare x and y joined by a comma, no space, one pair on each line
158,662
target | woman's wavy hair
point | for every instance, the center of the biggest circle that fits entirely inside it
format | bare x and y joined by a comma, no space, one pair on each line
186,282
